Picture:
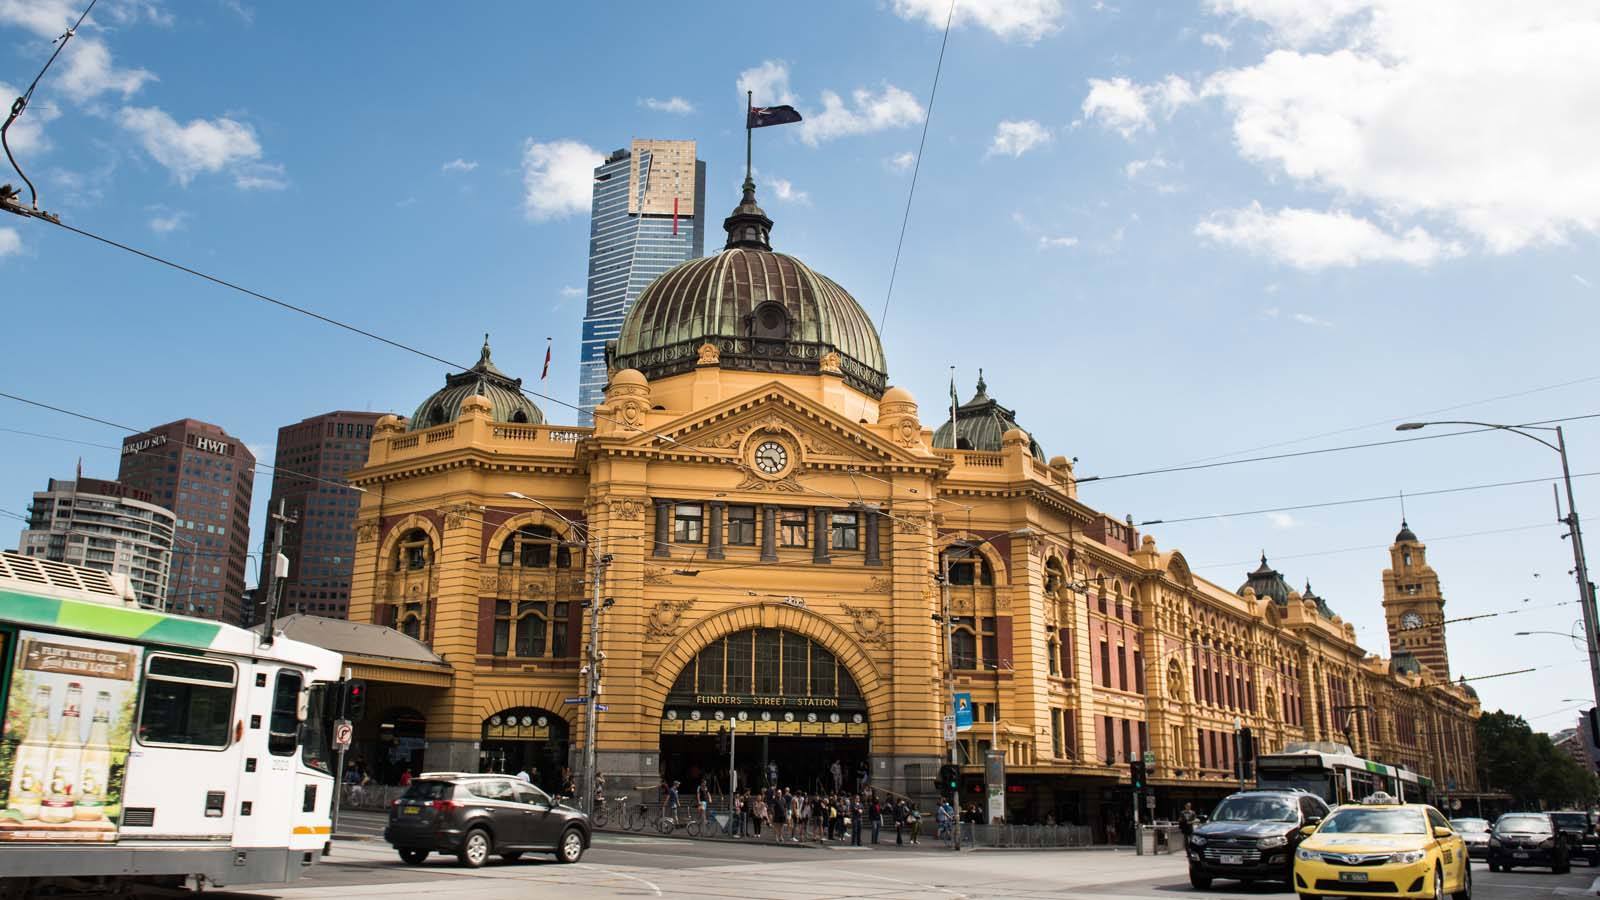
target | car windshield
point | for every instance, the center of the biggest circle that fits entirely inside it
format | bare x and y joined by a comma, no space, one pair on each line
1524,824
1254,809
427,790
1470,826
1359,820
1577,821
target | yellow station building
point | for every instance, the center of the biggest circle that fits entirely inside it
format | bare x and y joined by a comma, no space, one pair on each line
777,521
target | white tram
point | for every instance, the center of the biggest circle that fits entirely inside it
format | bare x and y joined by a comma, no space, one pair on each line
142,747
1336,774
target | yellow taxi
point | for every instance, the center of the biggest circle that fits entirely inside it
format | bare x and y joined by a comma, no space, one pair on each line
1381,846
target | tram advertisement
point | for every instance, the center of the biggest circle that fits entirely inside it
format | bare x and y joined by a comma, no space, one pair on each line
69,721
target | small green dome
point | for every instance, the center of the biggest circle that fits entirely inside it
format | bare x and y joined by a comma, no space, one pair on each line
983,424
503,392
1267,582
763,311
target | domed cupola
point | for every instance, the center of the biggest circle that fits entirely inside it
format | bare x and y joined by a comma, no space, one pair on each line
485,379
762,311
982,423
1322,605
1267,582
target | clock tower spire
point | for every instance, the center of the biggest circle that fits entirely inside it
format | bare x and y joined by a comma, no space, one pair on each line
1413,606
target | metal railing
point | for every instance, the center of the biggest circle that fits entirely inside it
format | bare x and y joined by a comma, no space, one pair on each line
1040,836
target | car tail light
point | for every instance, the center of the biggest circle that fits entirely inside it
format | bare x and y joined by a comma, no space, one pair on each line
445,806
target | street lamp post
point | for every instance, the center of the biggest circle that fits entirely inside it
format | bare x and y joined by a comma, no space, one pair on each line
1581,565
598,564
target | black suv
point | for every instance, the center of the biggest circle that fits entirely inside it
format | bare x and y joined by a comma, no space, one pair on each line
1578,828
1251,836
1528,839
473,817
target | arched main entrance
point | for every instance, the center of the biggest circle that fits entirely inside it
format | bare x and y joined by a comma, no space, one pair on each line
526,739
794,708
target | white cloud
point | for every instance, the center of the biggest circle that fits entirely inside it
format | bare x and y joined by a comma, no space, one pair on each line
10,242
1271,312
1046,242
1281,520
27,133
1582,280
1313,321
166,221
891,107
901,162
45,18
1474,113
1309,239
784,190
200,145
1221,42
1124,107
88,72
1016,138
1021,20
1134,167
570,291
675,105
459,165
260,177
557,178
768,83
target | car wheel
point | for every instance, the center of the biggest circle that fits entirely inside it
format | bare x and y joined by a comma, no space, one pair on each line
1438,883
1466,883
413,857
1199,880
512,856
1494,866
570,849
475,848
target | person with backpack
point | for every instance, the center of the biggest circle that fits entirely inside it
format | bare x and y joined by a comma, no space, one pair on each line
875,810
899,822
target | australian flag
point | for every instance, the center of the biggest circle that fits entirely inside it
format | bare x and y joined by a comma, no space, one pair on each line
762,116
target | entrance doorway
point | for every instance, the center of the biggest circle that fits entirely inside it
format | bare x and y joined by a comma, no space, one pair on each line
795,710
526,739
402,737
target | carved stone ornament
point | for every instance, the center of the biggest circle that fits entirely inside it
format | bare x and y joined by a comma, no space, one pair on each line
666,616
630,411
830,363
627,509
458,515
911,524
880,585
656,575
819,447
367,532
868,623
788,484
489,584
907,432
709,355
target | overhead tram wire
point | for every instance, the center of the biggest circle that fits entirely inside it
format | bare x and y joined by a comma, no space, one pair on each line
916,168
21,104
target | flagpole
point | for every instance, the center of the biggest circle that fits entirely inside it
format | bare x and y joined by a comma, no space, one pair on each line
749,99
955,428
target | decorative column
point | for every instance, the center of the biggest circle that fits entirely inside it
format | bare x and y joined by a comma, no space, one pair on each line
872,558
663,528
769,533
819,545
714,539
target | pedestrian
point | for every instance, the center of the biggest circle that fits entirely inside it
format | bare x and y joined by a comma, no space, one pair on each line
916,824
857,812
1186,819
523,774
875,810
899,822
863,776
837,771
405,777
783,822
758,813
945,818
672,801
702,798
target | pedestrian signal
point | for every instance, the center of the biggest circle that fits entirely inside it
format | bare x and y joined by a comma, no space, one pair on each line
353,699
1136,774
949,778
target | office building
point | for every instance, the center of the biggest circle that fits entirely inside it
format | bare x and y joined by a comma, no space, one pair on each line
103,525
312,459
204,476
647,217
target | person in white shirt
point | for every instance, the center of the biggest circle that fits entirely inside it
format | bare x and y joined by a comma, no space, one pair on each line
524,775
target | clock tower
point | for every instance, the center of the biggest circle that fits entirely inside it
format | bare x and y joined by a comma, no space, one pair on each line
1413,605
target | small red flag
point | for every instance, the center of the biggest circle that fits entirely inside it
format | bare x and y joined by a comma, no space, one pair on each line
674,215
546,371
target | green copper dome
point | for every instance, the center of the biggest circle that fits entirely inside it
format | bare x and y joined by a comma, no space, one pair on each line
763,311
983,424
1267,582
503,392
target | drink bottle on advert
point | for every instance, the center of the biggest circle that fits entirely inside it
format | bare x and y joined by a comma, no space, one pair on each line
66,747
28,766
95,769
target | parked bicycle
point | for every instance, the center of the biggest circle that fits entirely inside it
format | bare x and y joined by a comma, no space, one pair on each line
615,807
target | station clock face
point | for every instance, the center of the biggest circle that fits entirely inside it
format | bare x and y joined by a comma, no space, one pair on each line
1412,619
771,457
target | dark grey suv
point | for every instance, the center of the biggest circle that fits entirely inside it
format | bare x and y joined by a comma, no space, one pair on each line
473,817
1251,836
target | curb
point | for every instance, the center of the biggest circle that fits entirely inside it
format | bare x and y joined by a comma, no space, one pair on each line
357,837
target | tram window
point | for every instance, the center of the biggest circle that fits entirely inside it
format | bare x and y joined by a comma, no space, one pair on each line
284,725
314,738
742,526
186,702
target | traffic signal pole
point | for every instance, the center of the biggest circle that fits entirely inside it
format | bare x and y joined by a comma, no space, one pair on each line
950,683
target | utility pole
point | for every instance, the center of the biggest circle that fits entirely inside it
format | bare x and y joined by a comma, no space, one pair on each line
1581,564
949,701
275,571
601,561
733,770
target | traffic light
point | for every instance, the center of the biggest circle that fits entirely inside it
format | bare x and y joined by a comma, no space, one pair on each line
1247,745
1136,774
353,699
949,779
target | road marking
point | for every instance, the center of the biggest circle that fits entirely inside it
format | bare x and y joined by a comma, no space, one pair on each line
647,883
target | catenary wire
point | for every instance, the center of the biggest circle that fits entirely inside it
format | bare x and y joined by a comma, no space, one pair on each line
1365,547
916,168
21,103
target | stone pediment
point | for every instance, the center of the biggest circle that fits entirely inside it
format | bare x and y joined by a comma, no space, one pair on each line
820,435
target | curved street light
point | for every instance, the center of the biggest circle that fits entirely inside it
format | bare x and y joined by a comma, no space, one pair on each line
1585,589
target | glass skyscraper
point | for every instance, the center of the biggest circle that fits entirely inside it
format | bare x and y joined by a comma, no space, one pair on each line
648,216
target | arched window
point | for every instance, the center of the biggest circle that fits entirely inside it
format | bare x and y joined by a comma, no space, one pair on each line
535,547
533,629
766,662
414,552
968,566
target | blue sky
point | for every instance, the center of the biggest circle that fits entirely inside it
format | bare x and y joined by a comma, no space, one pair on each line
1166,232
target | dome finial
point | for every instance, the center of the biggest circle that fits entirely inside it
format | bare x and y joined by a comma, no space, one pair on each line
983,388
748,227
483,355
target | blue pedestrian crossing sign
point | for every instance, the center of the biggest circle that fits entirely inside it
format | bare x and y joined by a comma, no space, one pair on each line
963,711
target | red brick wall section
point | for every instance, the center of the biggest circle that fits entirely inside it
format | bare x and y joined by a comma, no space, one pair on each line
485,626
